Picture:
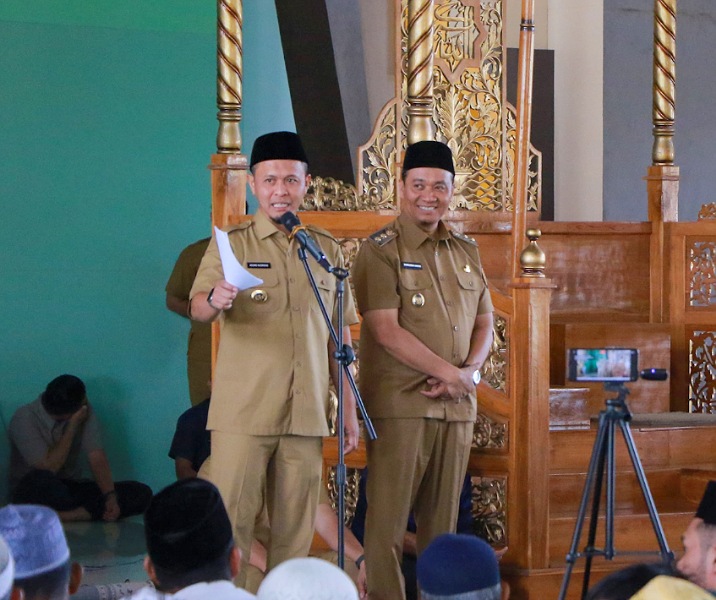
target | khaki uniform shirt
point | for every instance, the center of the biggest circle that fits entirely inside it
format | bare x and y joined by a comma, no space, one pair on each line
199,343
179,285
272,368
438,286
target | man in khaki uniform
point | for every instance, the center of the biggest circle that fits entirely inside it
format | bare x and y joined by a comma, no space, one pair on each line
427,329
198,355
269,402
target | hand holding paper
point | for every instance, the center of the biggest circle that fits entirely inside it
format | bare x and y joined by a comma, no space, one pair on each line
234,273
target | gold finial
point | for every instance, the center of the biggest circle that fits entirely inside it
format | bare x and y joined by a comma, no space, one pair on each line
229,79
532,259
664,82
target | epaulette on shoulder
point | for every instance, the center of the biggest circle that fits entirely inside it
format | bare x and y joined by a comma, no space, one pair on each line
464,238
239,226
320,231
385,235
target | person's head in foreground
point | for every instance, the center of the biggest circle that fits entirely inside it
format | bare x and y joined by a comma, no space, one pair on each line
698,563
189,537
665,587
624,583
43,570
458,567
7,573
307,579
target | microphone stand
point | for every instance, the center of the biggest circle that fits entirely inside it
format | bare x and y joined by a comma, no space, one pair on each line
344,356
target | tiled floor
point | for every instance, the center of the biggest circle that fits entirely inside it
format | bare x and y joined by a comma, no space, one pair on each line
110,553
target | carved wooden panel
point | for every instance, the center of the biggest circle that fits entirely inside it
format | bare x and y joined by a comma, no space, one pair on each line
702,371
702,272
489,503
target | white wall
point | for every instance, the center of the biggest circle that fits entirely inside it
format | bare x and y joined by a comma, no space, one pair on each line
575,33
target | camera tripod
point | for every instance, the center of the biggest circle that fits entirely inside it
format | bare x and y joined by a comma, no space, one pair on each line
616,414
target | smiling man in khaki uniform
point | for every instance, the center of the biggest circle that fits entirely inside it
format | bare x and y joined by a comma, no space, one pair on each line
427,329
269,401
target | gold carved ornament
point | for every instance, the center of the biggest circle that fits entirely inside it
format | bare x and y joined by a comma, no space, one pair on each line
494,370
488,434
351,495
489,500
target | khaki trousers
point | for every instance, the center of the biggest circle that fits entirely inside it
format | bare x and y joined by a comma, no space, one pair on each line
288,467
418,464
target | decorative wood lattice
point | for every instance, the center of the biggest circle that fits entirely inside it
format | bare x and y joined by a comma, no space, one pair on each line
489,433
702,372
702,270
489,500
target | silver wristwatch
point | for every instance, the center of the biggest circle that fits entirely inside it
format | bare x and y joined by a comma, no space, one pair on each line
476,376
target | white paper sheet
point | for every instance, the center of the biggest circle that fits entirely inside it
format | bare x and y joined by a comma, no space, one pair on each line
234,273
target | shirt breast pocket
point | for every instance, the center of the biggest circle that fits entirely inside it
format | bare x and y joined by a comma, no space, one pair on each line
326,284
470,287
416,294
266,297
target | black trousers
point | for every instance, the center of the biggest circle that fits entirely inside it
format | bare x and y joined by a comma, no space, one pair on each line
46,488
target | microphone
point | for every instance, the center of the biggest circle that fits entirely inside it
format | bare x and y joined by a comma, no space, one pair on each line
653,374
298,231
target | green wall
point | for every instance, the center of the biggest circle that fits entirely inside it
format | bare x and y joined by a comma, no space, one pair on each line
107,123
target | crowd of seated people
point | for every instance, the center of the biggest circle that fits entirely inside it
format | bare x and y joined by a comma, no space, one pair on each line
190,550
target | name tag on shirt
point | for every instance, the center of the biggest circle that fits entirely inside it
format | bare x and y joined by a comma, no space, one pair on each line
259,265
412,266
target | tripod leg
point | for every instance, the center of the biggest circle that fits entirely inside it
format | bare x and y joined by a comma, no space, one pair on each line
611,485
605,457
666,554
593,480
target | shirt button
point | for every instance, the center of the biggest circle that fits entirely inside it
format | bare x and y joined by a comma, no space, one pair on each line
437,253
298,364
454,327
449,303
442,277
291,280
295,308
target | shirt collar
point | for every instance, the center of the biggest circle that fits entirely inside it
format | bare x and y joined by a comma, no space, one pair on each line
265,227
414,236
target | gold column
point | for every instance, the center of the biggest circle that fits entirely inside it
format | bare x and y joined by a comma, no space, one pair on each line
229,74
420,71
525,71
664,81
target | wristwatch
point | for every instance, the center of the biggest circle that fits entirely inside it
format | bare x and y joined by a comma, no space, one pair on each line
476,376
209,297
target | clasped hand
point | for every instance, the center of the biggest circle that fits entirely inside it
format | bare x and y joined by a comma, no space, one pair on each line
457,388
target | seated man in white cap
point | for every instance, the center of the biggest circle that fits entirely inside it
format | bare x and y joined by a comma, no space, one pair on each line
190,546
7,574
307,579
43,570
698,563
47,439
457,566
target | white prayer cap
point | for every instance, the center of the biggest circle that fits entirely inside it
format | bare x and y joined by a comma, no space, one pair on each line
7,569
36,539
307,579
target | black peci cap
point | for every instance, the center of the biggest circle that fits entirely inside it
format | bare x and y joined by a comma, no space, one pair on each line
428,154
186,526
707,507
279,145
